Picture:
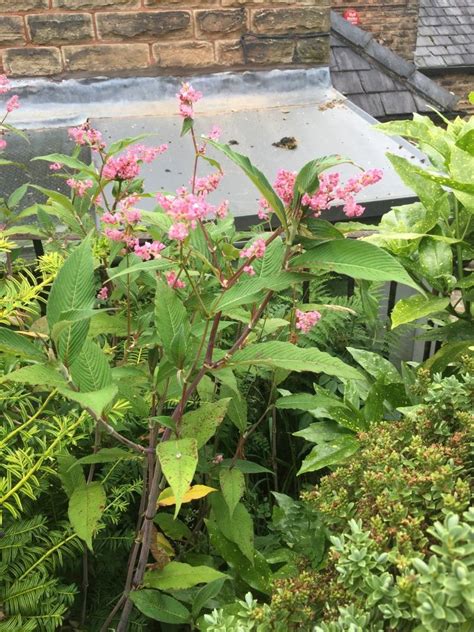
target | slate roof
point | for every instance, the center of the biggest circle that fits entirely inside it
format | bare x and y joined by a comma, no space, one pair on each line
376,79
445,34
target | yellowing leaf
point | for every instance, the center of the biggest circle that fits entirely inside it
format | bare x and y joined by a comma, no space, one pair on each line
195,492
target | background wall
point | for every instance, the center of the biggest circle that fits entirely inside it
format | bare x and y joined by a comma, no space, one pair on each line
393,22
64,37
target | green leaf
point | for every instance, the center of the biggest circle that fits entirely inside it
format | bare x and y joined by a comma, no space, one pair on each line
159,607
323,432
357,259
172,527
449,353
123,143
328,454
188,124
307,180
96,401
247,467
36,375
376,365
414,307
248,289
179,576
172,322
71,477
232,483
287,356
201,424
272,261
107,455
68,161
178,461
15,344
435,258
144,266
238,527
306,401
86,506
73,289
18,194
256,176
421,129
256,572
91,370
322,229
206,593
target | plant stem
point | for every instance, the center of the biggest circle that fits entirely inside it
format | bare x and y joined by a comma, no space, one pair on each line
466,303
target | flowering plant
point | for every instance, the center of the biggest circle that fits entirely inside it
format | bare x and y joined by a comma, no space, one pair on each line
155,319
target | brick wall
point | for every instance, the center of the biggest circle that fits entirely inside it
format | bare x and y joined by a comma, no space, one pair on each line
107,37
393,22
461,83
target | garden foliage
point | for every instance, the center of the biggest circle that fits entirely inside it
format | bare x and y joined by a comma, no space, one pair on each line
168,381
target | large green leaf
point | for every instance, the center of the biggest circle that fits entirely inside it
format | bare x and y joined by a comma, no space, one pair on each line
36,375
86,506
68,161
435,258
178,461
233,486
329,453
256,176
414,307
107,455
287,356
71,477
201,424
96,401
238,527
73,289
206,593
159,607
248,289
306,401
376,365
91,370
256,572
15,344
172,527
172,322
422,129
357,259
272,261
179,576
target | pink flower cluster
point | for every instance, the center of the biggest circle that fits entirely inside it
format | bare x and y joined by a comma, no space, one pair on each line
254,251
87,135
284,185
13,103
187,97
121,225
173,281
187,209
80,187
127,166
103,293
330,191
305,321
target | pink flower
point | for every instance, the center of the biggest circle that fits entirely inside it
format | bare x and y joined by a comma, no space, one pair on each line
264,209
257,249
187,96
5,85
178,231
218,459
80,187
148,250
13,103
86,135
305,321
111,218
125,167
215,133
249,270
55,166
284,185
3,144
103,293
207,184
114,234
173,281
351,209
148,154
222,209
132,215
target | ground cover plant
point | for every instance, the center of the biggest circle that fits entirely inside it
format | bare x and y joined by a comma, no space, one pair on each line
170,385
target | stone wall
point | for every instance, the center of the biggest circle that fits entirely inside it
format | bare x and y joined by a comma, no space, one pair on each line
393,22
117,37
461,83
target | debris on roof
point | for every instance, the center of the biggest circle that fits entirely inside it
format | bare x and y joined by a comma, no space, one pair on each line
378,80
445,34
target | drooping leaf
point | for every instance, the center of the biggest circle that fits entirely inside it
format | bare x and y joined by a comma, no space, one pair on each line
256,176
71,477
96,401
287,356
195,492
233,486
172,527
179,576
248,289
414,307
329,453
86,506
15,344
357,259
36,375
72,289
201,424
206,593
172,322
238,527
159,607
178,459
107,455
